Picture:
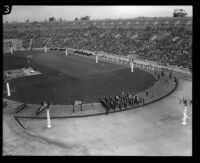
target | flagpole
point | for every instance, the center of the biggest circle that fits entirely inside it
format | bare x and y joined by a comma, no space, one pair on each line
11,48
66,51
7,79
45,49
48,117
131,66
184,120
96,58
8,88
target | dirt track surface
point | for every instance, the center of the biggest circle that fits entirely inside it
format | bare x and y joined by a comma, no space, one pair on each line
153,130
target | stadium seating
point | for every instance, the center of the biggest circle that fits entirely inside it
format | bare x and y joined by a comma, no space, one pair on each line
167,44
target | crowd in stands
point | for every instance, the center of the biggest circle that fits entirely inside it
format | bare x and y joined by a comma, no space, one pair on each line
166,44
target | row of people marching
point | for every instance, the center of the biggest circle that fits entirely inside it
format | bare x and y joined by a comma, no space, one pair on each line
162,75
122,101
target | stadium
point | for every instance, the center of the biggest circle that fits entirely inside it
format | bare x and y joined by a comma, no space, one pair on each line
110,81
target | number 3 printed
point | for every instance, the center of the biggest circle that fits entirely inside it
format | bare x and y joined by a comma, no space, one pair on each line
7,9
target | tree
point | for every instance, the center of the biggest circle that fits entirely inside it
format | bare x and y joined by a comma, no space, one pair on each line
52,19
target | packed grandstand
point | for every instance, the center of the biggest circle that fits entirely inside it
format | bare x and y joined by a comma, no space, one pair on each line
167,41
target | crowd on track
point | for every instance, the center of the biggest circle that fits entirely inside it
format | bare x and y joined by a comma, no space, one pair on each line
121,101
125,100
165,44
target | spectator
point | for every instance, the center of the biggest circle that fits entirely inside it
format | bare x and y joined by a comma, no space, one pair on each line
148,42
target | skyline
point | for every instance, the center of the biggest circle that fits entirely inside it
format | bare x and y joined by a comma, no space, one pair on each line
40,13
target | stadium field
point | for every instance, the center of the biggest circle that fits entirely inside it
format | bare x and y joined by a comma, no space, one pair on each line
66,78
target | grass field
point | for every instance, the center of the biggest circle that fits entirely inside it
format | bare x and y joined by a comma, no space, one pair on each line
65,79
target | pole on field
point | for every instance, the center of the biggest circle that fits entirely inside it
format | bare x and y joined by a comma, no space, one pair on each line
48,118
11,45
184,111
66,52
96,59
184,120
8,88
11,50
6,81
45,49
31,42
131,66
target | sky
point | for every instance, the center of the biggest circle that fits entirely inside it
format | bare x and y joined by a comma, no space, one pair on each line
40,13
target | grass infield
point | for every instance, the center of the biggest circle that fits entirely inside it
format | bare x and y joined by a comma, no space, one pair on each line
66,78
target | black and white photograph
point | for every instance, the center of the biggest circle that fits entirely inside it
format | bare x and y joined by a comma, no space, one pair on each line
97,80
